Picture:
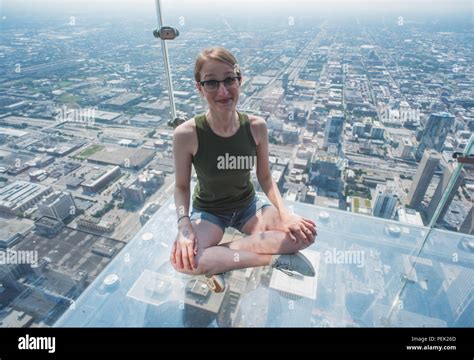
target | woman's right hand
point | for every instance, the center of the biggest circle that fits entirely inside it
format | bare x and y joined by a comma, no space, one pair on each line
184,247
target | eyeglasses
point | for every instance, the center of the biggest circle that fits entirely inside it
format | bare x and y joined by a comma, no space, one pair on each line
213,85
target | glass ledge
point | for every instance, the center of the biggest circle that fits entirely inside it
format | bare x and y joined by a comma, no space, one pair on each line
370,272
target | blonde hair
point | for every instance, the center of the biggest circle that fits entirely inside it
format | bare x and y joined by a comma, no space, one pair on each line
215,53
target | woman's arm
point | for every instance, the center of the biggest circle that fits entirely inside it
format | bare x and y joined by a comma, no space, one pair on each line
182,165
185,246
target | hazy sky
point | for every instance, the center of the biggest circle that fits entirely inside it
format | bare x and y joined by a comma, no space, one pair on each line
269,5
257,6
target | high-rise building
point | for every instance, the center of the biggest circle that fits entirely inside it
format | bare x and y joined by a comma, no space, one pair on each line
285,82
333,129
386,199
422,179
291,298
377,131
133,193
58,205
458,291
325,173
434,133
467,226
202,306
47,226
100,180
440,190
358,129
290,134
407,149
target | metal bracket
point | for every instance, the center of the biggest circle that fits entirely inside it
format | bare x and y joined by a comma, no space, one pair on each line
176,122
166,33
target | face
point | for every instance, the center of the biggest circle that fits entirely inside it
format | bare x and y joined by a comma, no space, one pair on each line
223,99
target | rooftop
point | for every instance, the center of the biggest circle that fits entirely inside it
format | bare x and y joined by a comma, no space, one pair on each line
71,249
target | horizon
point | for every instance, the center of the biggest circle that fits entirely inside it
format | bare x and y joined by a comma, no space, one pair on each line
259,7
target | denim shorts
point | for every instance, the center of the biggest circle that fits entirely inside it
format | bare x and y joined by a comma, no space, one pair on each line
235,219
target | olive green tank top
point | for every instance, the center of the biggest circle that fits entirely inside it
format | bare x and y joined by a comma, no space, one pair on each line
223,166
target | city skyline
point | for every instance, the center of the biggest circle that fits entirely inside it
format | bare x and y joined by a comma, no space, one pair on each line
364,114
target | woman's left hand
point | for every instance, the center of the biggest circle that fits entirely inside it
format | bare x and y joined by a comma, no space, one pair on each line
299,228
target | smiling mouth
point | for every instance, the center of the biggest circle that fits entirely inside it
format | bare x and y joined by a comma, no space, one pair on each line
226,101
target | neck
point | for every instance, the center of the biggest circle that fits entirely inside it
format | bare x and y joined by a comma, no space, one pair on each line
223,121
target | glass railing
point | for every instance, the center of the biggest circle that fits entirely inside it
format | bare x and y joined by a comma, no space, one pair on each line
369,273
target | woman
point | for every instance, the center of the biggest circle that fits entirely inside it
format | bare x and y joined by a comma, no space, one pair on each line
223,145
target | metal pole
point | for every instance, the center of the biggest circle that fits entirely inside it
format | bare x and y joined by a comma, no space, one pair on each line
164,49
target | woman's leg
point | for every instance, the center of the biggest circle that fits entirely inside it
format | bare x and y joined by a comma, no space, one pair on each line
265,235
214,259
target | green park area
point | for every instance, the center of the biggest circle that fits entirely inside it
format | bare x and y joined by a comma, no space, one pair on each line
89,151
